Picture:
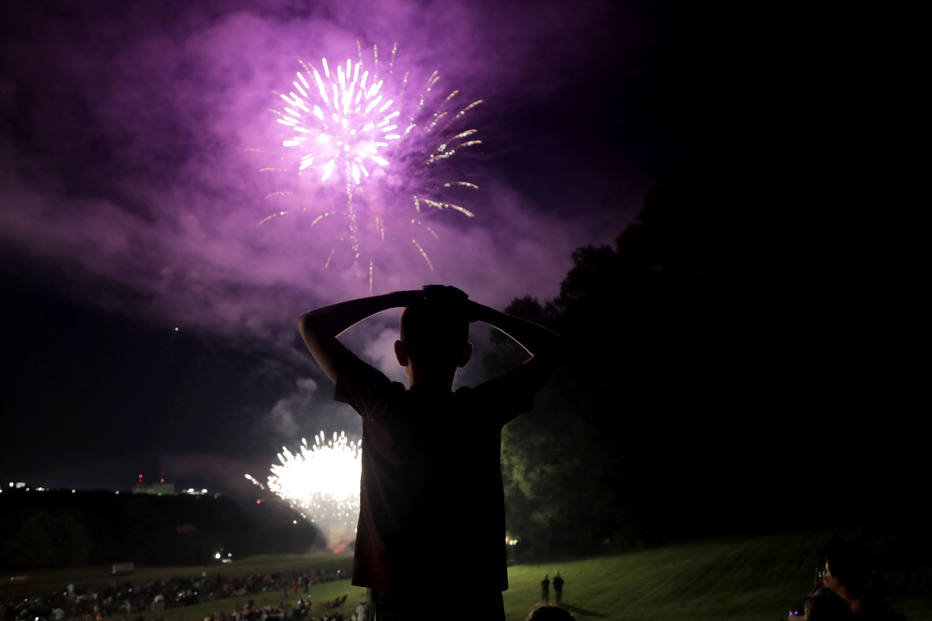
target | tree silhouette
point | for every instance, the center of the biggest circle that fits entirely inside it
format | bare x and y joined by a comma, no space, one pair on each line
682,391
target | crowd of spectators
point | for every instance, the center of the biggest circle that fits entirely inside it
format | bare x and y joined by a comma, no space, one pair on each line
125,600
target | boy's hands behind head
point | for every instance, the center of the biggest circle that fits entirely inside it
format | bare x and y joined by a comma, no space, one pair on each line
450,298
444,293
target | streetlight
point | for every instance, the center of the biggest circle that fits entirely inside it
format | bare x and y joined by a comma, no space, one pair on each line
512,543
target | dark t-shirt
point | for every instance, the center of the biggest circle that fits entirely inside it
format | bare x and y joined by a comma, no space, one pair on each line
431,490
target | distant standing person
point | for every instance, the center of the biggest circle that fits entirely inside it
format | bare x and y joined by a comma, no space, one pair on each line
545,589
558,587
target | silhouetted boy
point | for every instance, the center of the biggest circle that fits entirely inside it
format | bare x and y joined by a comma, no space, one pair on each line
431,501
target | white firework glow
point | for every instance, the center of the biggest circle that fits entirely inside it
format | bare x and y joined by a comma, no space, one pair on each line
321,482
355,127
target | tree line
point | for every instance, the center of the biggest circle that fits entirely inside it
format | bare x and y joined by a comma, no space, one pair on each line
64,529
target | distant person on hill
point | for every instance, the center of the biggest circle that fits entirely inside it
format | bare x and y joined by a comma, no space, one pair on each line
549,612
558,588
545,589
848,589
431,457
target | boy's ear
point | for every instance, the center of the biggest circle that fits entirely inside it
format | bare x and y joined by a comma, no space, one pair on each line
401,353
465,355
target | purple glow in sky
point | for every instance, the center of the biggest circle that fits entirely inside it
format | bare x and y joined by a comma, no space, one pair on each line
139,166
130,154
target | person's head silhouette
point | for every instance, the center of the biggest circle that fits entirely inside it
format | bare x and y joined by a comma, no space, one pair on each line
549,612
434,337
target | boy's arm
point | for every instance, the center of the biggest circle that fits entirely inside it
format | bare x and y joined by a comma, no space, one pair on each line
319,328
544,345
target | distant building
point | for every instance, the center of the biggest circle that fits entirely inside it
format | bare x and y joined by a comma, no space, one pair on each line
156,489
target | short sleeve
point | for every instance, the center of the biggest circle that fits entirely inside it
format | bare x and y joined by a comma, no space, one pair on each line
363,387
510,394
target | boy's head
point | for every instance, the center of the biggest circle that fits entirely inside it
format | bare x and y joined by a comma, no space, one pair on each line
434,336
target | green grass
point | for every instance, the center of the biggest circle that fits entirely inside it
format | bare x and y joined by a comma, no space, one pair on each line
749,579
741,579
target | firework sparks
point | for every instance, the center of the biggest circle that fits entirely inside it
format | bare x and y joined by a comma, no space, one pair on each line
352,127
321,482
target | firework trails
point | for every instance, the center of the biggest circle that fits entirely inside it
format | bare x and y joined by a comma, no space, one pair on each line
369,158
321,482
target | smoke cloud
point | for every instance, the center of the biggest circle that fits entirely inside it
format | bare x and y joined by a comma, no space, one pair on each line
132,140
133,161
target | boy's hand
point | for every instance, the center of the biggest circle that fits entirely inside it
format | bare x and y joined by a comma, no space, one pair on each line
472,310
444,293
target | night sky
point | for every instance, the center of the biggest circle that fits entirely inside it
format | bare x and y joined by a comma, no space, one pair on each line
150,321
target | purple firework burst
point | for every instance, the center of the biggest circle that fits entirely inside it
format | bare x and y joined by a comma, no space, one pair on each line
355,131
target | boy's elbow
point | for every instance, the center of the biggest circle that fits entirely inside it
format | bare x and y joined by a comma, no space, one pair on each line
306,327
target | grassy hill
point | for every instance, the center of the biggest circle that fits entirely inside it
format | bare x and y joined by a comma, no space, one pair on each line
741,579
748,580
